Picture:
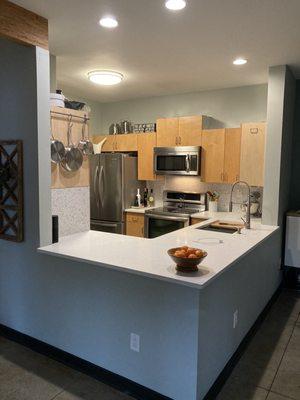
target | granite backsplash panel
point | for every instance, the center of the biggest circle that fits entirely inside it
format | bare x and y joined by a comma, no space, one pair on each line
72,205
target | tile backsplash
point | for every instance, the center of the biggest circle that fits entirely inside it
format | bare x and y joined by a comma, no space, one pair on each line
193,184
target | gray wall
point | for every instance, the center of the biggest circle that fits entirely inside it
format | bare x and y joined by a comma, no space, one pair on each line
281,100
231,106
295,182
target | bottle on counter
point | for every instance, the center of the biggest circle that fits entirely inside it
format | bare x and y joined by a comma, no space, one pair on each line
138,198
151,200
145,200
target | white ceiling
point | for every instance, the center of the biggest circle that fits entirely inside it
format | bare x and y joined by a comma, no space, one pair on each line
163,52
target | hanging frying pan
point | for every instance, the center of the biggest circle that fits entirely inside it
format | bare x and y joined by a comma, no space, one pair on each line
57,148
73,158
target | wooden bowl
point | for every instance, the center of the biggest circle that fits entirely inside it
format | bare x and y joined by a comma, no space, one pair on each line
186,264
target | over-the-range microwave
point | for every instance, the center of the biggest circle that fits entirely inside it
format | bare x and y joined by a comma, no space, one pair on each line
181,160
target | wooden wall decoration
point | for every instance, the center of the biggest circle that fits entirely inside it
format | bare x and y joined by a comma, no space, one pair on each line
61,178
22,25
11,190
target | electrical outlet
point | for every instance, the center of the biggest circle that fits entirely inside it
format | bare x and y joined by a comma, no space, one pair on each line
235,319
135,342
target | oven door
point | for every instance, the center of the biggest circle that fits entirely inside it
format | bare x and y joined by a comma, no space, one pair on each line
158,225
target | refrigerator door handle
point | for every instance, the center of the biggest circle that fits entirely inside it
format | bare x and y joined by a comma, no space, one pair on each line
100,191
96,192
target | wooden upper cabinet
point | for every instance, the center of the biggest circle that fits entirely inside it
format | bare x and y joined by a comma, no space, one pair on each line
190,129
253,153
120,143
232,155
167,132
179,131
126,142
146,143
212,157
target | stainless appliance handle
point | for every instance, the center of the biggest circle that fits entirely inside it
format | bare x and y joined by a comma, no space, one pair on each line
187,163
167,217
100,180
96,192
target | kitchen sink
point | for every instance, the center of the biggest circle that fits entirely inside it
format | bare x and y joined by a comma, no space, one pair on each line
218,229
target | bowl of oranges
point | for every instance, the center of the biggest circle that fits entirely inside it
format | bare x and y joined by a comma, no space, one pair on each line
187,258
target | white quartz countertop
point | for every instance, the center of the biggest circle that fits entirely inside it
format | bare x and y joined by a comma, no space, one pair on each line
140,210
148,257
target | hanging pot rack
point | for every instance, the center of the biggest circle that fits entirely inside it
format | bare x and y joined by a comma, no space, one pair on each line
85,118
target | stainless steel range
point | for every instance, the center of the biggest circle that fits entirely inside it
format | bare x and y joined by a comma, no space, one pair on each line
175,213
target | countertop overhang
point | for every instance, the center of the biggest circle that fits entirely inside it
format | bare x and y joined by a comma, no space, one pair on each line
148,257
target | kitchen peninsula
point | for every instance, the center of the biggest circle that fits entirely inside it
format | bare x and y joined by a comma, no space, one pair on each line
174,319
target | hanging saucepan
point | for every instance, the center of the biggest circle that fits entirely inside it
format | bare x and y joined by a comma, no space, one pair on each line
57,148
85,145
73,158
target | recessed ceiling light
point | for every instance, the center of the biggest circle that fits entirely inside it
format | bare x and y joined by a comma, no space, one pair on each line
106,78
108,22
175,4
240,61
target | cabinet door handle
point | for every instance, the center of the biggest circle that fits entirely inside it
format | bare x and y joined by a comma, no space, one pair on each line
179,139
222,177
142,231
176,140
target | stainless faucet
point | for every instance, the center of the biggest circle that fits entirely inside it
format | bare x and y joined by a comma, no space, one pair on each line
248,204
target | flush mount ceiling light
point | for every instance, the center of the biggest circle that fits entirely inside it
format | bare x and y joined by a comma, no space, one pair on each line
175,5
106,78
240,61
108,22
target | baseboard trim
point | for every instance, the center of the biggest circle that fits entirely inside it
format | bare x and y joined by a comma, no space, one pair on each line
224,375
120,383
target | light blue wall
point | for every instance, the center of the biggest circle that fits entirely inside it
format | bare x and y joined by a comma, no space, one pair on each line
230,106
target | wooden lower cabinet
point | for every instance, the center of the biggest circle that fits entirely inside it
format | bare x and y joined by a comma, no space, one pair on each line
197,220
135,224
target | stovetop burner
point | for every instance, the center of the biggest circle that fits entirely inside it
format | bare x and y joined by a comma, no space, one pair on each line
182,204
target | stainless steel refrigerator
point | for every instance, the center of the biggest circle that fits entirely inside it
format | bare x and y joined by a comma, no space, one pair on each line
113,187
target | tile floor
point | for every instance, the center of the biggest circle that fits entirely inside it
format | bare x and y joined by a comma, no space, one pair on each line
268,370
